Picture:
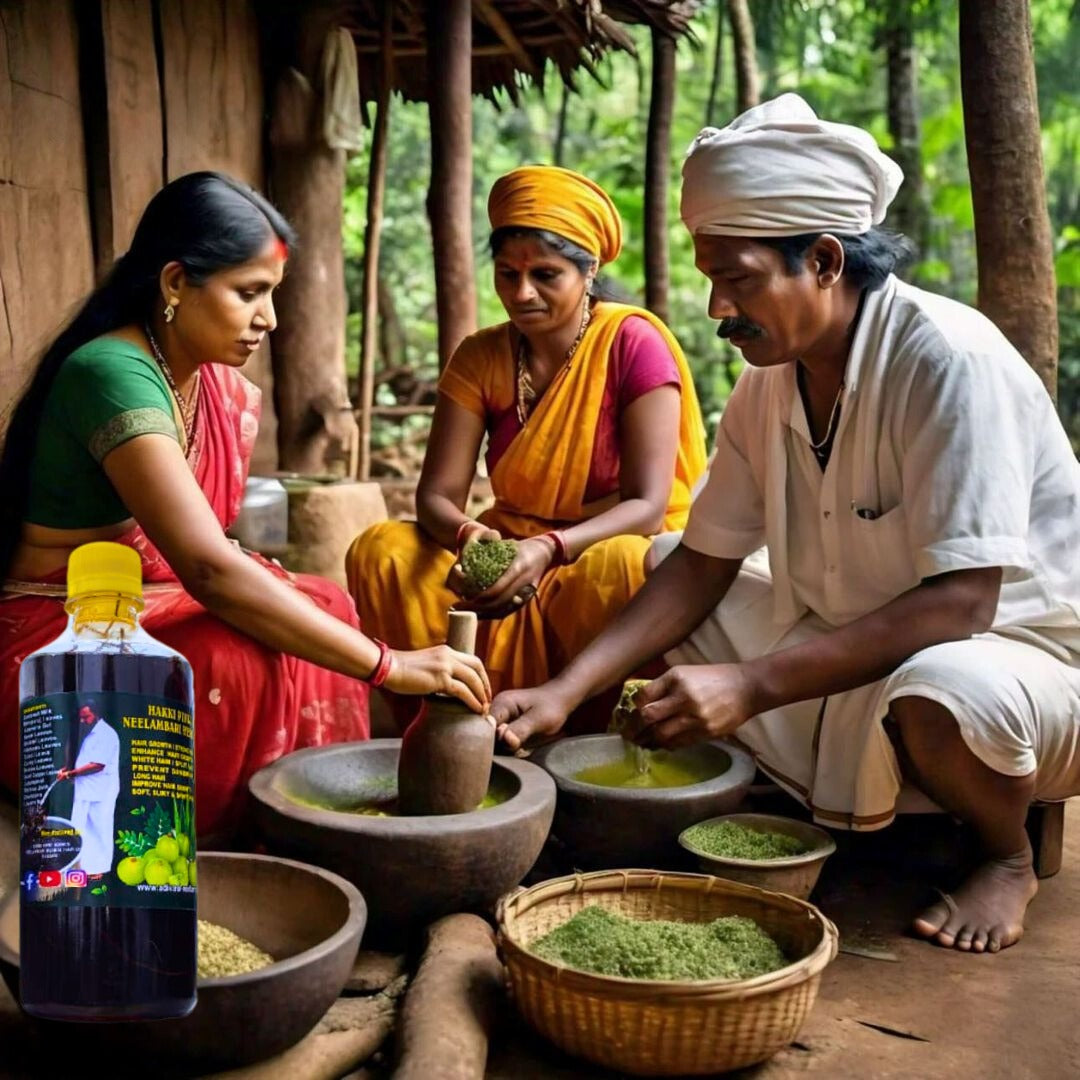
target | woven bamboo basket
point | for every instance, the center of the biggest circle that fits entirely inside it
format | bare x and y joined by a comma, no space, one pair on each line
664,1028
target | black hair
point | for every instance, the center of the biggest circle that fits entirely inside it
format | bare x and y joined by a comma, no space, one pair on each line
602,289
205,221
869,258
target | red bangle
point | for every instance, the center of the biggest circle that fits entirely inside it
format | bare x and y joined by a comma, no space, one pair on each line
382,667
461,528
562,553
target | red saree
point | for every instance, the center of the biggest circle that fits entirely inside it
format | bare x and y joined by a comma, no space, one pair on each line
252,704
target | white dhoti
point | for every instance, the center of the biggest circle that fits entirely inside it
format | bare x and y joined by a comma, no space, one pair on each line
1017,704
94,822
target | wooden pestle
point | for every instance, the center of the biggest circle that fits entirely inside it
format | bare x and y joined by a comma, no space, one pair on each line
445,762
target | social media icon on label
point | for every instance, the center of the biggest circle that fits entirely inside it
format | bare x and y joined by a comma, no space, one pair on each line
75,879
50,879
30,882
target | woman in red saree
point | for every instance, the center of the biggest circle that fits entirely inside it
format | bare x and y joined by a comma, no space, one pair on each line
138,428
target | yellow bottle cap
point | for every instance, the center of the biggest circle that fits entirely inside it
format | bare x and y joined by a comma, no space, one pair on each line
104,568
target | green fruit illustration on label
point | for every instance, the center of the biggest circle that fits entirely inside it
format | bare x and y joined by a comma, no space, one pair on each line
130,871
157,872
168,849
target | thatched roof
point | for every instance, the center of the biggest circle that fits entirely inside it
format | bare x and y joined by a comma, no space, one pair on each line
512,39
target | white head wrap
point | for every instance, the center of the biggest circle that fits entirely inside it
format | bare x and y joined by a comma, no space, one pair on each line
777,170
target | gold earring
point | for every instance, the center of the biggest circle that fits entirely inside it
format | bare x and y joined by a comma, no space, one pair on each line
170,311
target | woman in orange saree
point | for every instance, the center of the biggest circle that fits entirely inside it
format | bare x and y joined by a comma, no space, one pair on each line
137,428
594,442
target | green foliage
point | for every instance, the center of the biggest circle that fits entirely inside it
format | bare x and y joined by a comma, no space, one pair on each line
831,52
138,842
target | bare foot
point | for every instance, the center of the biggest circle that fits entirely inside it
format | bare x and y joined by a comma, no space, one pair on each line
987,912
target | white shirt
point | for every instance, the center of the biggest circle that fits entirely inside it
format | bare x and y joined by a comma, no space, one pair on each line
947,443
103,746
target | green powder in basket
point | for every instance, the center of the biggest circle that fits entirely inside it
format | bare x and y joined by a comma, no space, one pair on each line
730,840
602,941
221,953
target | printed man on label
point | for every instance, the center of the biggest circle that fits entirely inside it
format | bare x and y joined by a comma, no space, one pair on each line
97,784
917,622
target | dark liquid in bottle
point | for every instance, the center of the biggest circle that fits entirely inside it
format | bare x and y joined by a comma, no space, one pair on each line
106,962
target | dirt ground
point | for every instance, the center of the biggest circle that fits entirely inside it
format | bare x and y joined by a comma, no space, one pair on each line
916,1013
927,1013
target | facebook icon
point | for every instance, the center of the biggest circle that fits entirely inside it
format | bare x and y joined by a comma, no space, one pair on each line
30,882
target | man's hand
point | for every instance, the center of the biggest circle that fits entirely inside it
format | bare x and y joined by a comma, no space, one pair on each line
63,774
689,704
522,714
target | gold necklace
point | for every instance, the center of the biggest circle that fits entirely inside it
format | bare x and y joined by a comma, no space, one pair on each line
819,447
526,392
187,412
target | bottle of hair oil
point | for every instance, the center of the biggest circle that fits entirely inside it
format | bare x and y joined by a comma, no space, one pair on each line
107,860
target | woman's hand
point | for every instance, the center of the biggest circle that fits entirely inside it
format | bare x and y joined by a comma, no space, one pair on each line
518,584
440,670
472,530
521,714
689,704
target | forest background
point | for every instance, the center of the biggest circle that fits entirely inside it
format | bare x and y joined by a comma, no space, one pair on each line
830,51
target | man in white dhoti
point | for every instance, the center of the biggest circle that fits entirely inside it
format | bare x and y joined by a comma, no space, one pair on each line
918,617
97,784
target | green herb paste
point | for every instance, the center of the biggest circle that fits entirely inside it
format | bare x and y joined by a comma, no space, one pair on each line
729,840
601,941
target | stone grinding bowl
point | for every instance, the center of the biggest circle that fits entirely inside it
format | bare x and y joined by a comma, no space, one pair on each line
310,921
411,870
795,875
606,827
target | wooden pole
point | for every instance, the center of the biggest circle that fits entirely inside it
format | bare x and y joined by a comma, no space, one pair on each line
449,201
375,197
657,154
1013,239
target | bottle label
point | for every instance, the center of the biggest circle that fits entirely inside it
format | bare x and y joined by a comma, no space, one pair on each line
108,810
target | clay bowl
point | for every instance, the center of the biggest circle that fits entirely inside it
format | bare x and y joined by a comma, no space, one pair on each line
604,827
795,875
411,870
310,921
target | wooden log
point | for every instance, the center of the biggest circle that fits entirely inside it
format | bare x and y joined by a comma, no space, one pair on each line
451,1005
449,201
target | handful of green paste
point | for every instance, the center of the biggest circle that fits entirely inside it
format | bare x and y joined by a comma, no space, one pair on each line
483,562
730,840
604,942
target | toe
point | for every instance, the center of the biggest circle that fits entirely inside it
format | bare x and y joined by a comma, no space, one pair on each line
963,939
932,920
978,942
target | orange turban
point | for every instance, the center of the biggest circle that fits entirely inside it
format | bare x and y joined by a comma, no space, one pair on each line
560,201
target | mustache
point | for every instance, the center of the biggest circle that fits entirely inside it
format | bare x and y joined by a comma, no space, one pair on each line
738,325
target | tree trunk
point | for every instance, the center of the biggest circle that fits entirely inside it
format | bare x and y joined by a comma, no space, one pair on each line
1012,227
717,67
308,185
449,201
375,194
908,211
747,79
657,155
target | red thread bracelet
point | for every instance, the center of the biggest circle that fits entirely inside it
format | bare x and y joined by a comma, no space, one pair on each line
382,667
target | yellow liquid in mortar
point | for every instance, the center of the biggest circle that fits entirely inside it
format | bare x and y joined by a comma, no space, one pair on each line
662,771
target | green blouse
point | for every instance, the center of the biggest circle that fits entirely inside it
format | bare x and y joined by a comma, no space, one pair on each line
106,392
